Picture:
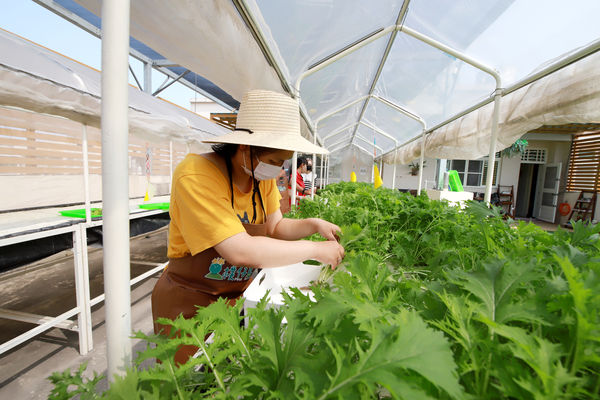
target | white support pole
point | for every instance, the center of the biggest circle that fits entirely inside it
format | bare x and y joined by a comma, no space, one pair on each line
314,167
148,77
86,174
421,161
441,173
395,161
82,289
115,183
327,170
293,179
321,172
373,169
170,166
492,155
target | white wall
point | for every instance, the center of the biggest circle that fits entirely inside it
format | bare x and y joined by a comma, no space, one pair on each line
404,180
29,191
204,107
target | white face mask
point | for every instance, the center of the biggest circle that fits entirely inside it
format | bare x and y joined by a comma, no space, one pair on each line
263,171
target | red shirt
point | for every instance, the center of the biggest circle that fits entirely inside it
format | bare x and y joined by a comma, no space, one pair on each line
299,182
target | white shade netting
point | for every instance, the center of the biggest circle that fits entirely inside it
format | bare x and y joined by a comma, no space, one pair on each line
207,37
37,79
570,95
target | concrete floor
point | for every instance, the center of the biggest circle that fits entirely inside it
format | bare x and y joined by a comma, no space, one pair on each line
47,288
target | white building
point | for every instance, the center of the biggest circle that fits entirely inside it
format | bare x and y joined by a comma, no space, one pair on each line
205,106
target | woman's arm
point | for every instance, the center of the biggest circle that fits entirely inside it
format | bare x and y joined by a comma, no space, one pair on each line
264,252
294,229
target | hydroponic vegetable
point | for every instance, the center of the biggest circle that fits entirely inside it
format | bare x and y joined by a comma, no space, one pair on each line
431,302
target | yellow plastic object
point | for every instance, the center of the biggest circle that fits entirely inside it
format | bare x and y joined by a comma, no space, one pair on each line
378,182
146,197
352,177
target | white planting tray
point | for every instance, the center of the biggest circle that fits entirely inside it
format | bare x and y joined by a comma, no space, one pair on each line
279,279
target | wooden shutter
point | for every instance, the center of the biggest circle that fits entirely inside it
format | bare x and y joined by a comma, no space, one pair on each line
584,163
484,174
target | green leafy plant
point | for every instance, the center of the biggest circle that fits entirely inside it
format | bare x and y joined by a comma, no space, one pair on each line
414,167
517,148
431,301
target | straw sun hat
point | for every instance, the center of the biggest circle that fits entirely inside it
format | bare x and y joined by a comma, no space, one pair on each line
269,119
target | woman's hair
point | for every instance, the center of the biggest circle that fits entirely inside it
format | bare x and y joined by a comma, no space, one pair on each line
301,160
227,150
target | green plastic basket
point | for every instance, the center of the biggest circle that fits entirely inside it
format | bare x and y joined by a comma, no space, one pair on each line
80,213
155,206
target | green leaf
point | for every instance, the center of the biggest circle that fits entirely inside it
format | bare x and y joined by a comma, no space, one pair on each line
495,285
400,349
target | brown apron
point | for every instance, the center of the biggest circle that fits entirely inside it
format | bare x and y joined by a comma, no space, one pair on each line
199,280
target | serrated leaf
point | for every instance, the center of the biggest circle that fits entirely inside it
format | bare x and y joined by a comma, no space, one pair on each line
408,346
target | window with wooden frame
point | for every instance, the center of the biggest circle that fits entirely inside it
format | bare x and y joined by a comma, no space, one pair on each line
584,163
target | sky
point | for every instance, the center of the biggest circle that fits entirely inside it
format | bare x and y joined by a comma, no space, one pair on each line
32,21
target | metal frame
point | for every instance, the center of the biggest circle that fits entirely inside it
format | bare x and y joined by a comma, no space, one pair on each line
388,48
434,43
375,147
82,294
420,120
396,107
497,96
365,140
83,326
159,65
259,36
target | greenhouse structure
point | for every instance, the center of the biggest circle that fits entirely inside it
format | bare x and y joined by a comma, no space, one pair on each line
492,107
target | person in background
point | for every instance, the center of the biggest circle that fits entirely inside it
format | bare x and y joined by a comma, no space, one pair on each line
300,169
282,186
226,221
308,177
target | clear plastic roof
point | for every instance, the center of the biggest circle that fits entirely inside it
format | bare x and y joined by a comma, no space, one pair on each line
514,37
235,44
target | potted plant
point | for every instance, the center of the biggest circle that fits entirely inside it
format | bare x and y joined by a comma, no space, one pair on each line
414,167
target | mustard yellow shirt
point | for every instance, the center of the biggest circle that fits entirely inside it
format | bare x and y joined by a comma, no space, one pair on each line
200,209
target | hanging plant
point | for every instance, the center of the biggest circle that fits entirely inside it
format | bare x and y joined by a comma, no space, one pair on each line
414,167
517,148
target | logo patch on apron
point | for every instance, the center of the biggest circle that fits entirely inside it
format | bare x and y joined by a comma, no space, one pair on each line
231,273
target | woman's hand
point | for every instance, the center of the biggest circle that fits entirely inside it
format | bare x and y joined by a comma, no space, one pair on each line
329,253
326,229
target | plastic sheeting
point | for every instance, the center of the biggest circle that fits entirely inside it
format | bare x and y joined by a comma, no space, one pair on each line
207,37
40,80
513,36
570,95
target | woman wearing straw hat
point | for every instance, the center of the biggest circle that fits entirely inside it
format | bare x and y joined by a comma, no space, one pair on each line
225,217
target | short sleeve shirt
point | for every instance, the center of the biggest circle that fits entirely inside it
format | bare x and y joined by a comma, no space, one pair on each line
201,212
